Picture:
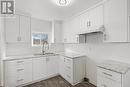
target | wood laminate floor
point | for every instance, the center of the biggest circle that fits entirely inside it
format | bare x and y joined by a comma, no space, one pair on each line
58,81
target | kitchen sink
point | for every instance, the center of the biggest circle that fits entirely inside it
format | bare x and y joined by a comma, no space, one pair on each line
46,54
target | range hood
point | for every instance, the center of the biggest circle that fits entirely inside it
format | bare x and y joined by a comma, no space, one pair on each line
101,29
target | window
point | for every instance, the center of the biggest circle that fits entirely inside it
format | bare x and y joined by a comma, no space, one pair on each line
38,38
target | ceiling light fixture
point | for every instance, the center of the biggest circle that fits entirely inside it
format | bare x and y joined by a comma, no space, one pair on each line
63,2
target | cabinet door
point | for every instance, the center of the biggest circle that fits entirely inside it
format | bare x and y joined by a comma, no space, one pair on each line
84,20
96,17
25,32
39,68
62,66
106,82
28,70
12,29
115,20
10,74
52,65
57,32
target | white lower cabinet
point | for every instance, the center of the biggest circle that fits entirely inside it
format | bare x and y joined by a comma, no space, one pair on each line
107,78
18,72
52,63
72,69
39,68
25,71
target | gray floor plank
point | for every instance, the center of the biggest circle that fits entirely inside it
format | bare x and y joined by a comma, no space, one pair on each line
57,81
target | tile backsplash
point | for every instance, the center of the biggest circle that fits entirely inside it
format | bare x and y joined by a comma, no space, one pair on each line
27,49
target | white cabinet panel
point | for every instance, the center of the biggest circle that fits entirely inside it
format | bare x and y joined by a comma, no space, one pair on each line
57,31
25,32
106,82
52,65
109,78
39,68
73,70
115,20
91,19
10,74
84,19
96,17
18,72
12,28
70,30
62,66
17,29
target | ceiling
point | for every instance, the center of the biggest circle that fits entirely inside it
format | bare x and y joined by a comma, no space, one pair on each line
46,9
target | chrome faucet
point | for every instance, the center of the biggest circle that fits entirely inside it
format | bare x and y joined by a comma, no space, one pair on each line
44,44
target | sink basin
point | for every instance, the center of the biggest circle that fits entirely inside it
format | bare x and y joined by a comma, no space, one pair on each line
46,54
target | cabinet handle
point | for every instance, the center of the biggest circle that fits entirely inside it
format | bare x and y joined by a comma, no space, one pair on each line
107,74
104,36
68,67
64,59
20,80
68,76
18,38
20,70
89,23
20,61
77,39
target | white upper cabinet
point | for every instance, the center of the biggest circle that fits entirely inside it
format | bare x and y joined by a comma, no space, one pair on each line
89,20
116,20
84,20
25,29
12,29
17,29
92,19
70,30
57,26
96,17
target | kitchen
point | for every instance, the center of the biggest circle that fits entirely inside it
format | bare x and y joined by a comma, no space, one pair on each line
86,33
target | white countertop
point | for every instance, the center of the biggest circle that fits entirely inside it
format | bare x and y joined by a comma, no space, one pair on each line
17,57
66,54
72,55
115,66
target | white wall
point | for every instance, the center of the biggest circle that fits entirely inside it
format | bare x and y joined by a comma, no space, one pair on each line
2,48
98,52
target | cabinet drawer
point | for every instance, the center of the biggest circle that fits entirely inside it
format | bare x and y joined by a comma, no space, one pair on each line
68,78
105,82
109,74
20,81
68,61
